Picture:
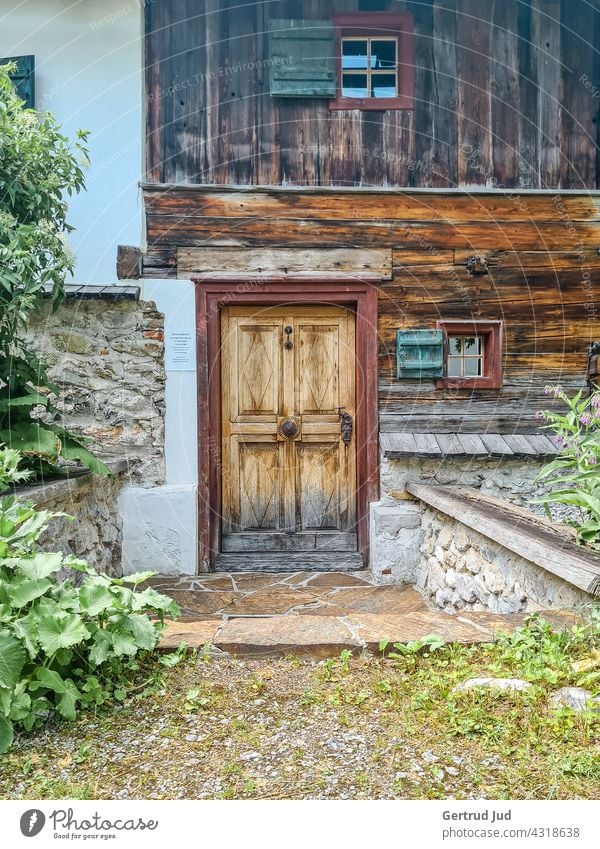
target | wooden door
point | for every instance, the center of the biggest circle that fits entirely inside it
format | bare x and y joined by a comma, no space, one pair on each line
288,433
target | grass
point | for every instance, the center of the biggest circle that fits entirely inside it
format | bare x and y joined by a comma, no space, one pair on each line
341,728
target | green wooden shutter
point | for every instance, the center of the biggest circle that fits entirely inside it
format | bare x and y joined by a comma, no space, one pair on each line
302,58
24,78
420,353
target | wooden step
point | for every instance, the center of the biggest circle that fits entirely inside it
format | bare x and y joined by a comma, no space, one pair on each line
293,561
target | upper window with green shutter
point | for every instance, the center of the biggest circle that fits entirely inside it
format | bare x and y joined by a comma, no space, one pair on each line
302,58
23,77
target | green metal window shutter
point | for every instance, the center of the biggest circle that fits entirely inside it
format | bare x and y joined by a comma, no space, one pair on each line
302,58
419,353
24,78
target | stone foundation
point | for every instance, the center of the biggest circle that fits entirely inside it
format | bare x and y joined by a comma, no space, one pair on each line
461,569
95,533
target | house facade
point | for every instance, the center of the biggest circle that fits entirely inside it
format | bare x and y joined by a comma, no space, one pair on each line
374,230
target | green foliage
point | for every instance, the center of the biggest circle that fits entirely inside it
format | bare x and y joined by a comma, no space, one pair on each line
63,644
574,476
39,169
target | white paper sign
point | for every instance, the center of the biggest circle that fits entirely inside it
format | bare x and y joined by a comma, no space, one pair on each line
180,351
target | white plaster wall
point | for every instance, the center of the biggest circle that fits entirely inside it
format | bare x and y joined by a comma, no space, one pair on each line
160,525
88,58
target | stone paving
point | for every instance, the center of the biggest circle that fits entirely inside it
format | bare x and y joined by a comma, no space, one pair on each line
317,614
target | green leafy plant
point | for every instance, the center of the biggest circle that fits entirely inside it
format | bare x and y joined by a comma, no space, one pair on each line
574,476
63,644
39,169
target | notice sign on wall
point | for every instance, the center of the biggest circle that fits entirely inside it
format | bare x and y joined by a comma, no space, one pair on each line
180,351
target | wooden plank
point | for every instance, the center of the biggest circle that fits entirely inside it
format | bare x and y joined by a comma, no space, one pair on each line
444,133
284,261
474,98
505,106
542,444
516,529
452,422
362,204
398,444
406,258
424,89
129,263
377,233
472,444
545,36
580,111
529,148
520,445
427,444
290,561
556,260
449,444
496,445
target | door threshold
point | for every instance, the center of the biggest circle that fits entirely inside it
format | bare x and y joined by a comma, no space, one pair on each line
296,561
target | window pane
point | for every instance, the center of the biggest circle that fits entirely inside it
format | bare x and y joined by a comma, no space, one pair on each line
455,344
354,54
383,54
472,345
354,85
472,367
383,85
454,367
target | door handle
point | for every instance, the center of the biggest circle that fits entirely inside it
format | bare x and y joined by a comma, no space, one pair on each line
346,427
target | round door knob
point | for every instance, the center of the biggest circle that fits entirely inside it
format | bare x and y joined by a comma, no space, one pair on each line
289,429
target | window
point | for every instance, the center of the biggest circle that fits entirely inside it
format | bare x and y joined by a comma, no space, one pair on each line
473,352
374,61
23,78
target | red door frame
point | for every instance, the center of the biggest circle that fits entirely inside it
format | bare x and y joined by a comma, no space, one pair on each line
215,291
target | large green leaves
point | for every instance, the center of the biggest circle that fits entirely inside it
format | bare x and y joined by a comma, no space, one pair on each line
95,596
40,565
12,660
21,591
60,631
32,439
6,734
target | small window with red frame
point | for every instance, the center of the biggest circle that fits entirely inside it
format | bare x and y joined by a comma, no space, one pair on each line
473,354
375,66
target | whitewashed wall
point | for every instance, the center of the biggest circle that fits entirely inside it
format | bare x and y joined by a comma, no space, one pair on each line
88,58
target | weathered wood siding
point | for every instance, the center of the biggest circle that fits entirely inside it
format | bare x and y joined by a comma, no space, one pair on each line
543,260
506,95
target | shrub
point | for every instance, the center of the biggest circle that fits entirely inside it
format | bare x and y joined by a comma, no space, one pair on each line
575,474
39,169
62,646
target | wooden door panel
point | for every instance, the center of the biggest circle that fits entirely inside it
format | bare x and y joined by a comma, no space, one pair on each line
287,494
318,486
258,369
318,368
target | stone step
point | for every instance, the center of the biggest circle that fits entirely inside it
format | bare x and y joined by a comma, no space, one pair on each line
327,636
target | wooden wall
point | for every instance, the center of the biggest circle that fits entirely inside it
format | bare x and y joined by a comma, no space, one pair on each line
506,95
544,264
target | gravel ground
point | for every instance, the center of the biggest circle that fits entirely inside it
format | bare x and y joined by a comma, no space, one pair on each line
342,729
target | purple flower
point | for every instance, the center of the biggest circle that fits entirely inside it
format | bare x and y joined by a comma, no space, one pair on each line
560,441
585,419
592,461
539,414
596,400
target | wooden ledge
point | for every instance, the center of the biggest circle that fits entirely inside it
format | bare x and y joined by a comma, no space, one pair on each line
550,546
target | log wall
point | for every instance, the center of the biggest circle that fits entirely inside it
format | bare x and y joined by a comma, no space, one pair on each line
542,252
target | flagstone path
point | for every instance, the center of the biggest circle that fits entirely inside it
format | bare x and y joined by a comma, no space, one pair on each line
317,614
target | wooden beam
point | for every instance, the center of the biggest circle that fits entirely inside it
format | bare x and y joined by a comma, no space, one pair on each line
129,263
541,542
193,261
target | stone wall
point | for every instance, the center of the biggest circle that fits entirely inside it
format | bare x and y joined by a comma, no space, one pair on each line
95,533
107,358
461,569
512,480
